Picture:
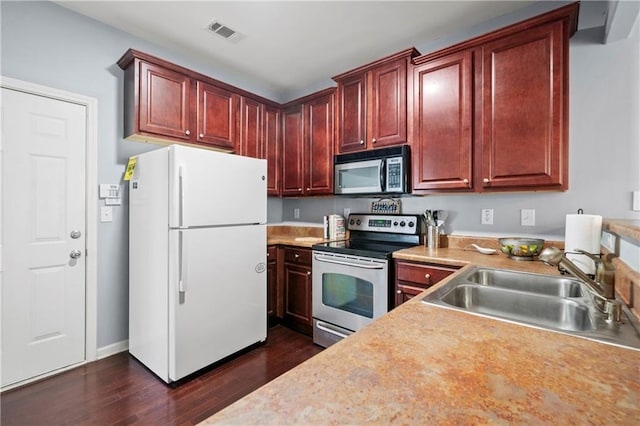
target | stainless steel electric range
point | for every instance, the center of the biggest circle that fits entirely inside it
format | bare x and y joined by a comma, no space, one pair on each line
352,279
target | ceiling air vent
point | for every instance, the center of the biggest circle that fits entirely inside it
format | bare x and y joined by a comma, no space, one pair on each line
223,31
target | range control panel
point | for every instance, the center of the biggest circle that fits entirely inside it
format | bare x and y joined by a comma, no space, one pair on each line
395,224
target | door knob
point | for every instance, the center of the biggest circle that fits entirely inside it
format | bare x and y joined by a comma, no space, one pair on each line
75,254
75,234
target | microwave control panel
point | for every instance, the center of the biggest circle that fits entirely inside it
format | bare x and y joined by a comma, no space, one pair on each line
396,224
394,175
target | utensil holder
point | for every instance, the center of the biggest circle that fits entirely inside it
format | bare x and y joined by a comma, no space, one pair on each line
433,237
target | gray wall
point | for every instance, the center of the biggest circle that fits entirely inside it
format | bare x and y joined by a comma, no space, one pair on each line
46,44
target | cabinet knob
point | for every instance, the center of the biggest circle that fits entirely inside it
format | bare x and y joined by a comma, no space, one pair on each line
299,189
187,132
308,189
202,135
296,255
427,277
485,180
398,291
309,273
466,181
361,142
374,140
267,254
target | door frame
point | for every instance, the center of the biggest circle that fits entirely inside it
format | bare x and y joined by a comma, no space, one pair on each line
91,203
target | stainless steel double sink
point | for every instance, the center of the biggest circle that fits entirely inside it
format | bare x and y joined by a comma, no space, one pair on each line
548,302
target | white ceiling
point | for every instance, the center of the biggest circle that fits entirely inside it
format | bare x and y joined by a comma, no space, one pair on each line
291,45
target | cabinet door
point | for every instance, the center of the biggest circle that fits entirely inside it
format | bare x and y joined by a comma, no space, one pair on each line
388,105
216,112
250,128
524,106
272,284
292,152
442,142
164,102
352,98
297,297
271,148
319,135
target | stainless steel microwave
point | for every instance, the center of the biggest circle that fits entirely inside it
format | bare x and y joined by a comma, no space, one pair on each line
376,172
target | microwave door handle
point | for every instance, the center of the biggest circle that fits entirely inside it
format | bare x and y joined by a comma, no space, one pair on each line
383,163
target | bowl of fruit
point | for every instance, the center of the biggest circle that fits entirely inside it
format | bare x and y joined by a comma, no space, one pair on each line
521,248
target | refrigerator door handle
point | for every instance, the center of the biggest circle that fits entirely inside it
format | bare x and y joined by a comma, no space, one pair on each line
183,256
180,197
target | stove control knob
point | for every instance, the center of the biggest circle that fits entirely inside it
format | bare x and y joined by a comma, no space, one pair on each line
351,222
358,222
411,224
402,223
395,223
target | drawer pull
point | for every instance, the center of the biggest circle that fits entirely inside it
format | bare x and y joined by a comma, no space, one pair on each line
296,255
427,276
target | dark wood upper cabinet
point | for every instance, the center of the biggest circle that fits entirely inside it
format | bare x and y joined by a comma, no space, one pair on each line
292,151
352,115
524,104
271,149
307,146
216,116
164,102
372,104
491,113
319,142
251,137
442,123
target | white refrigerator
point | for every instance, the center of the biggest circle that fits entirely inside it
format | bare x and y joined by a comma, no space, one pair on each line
197,258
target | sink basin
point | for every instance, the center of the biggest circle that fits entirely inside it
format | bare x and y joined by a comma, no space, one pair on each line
548,302
531,308
533,283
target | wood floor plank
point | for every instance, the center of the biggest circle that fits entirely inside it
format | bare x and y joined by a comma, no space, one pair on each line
119,390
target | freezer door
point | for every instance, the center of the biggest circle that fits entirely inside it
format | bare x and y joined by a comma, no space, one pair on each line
214,188
218,295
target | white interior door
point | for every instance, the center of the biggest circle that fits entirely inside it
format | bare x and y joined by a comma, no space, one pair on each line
43,235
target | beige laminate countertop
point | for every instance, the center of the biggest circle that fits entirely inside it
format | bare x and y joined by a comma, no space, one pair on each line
422,364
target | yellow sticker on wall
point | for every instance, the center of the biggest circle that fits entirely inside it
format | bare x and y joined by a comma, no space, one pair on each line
131,166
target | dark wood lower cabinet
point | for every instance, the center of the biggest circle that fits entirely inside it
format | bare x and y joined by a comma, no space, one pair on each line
412,278
296,288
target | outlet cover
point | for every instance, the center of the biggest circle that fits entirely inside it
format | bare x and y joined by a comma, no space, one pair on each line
486,217
106,214
346,212
296,213
636,201
528,217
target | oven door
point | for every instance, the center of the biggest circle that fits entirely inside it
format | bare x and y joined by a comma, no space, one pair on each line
349,291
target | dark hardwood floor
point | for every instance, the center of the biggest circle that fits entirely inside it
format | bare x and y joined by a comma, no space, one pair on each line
120,390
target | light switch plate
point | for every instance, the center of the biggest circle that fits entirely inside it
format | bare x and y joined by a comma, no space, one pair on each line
109,190
636,201
486,217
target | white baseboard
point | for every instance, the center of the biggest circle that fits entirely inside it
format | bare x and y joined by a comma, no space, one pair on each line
113,349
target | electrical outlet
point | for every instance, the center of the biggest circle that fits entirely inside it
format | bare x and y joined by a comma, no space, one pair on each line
347,212
106,214
296,213
528,217
487,217
636,201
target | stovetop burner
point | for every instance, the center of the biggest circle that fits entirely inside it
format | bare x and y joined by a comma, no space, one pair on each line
376,235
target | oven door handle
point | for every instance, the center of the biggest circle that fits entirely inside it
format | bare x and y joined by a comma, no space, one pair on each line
325,259
326,329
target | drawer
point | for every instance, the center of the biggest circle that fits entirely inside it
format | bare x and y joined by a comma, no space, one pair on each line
297,255
421,274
